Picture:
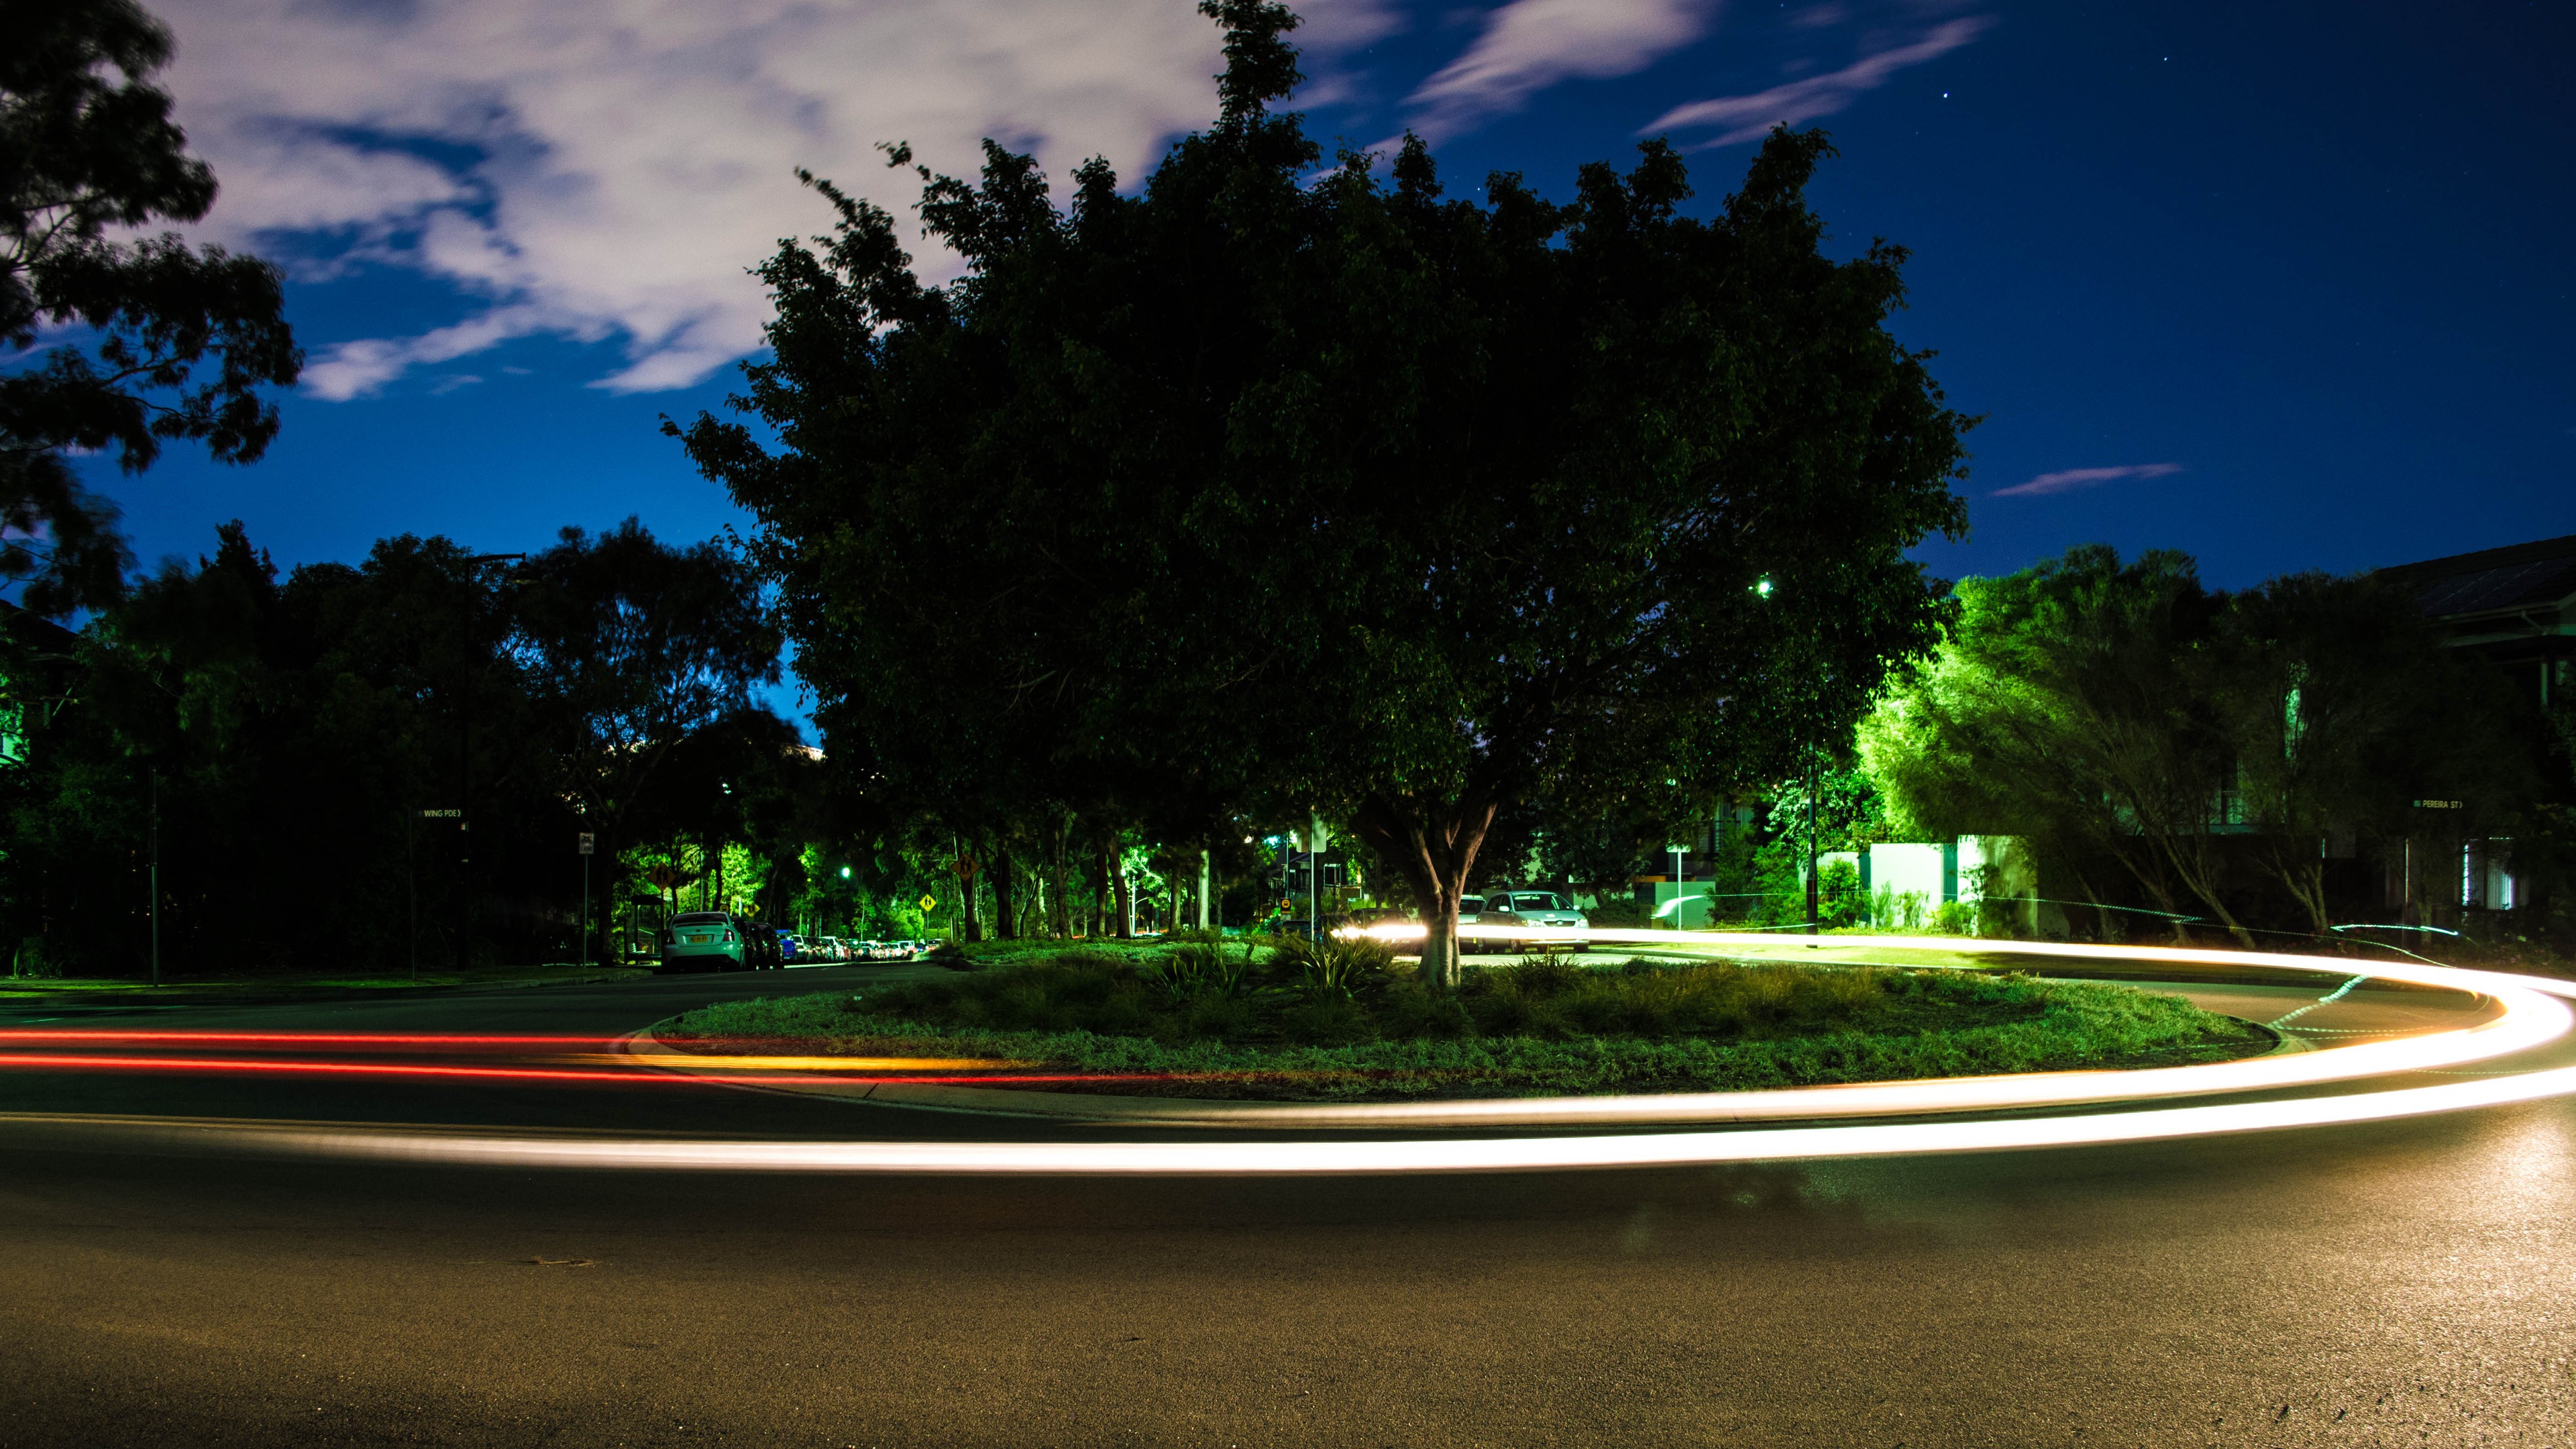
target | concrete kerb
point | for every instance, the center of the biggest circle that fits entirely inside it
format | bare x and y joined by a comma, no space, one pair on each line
182,998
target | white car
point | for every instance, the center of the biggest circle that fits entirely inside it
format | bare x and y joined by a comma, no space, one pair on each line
1528,908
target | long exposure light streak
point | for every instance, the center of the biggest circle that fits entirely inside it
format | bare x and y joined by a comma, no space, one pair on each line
2531,1014
1280,1159
253,1066
9,1035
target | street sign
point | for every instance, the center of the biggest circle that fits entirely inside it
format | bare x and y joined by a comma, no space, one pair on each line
585,842
442,815
929,902
663,876
964,866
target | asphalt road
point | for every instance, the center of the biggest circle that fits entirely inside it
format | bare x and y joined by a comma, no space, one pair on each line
2402,1283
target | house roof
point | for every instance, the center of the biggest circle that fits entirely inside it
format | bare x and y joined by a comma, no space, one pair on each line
44,633
2522,575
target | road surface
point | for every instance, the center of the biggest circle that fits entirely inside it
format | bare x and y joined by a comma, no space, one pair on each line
2397,1283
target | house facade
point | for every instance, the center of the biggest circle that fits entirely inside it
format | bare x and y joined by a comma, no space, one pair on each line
2515,608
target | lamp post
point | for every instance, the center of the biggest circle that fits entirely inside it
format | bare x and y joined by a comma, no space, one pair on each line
1812,913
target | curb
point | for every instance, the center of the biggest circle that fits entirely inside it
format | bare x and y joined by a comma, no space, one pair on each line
79,1001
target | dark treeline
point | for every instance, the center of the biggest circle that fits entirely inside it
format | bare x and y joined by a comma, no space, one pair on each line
281,736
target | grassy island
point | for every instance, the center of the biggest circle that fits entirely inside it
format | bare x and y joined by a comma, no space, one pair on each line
1344,1022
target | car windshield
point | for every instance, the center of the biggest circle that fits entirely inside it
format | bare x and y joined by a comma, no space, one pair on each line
700,918
1537,903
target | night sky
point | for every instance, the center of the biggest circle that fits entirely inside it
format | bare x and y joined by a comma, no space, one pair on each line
2285,286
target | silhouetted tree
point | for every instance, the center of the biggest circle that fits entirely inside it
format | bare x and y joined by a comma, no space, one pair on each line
88,152
1267,491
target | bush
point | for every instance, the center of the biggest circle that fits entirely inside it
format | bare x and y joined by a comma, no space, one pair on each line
1196,967
1334,965
1541,1025
1893,910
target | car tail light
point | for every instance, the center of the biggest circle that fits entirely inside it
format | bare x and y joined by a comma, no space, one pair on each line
728,938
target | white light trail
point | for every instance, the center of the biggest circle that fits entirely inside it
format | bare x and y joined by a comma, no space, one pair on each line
2532,1015
1288,1159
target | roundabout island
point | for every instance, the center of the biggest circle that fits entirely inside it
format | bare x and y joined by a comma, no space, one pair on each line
2344,1041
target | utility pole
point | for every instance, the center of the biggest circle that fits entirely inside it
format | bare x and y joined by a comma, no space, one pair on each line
586,841
465,769
153,837
411,875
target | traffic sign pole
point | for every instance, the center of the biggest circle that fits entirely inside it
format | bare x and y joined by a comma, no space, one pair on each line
586,840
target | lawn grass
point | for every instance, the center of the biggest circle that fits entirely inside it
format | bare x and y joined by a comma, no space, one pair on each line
1204,1024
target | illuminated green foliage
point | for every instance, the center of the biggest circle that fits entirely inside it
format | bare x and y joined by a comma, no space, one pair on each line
2209,748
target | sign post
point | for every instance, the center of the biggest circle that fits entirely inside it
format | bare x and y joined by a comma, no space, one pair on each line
586,839
411,862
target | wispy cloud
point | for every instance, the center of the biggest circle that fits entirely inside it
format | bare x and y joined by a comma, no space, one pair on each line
2070,479
1530,45
607,169
1743,118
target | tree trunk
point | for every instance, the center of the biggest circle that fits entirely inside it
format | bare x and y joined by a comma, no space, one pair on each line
1059,899
1207,886
2158,890
1099,893
2306,881
1122,893
2196,871
2102,926
1006,920
1432,844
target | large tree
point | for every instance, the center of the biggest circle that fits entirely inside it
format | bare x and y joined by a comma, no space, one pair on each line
636,652
2072,706
154,341
1257,489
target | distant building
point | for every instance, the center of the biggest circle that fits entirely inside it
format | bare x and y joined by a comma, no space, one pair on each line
36,660
2514,606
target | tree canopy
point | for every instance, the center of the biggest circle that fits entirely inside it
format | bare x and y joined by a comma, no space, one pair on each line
152,340
1259,488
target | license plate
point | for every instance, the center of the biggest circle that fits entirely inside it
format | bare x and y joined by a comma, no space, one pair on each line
700,940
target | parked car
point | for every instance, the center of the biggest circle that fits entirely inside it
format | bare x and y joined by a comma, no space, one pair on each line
705,941
764,954
1527,908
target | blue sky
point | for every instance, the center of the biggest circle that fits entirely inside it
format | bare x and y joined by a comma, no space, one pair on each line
2283,285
